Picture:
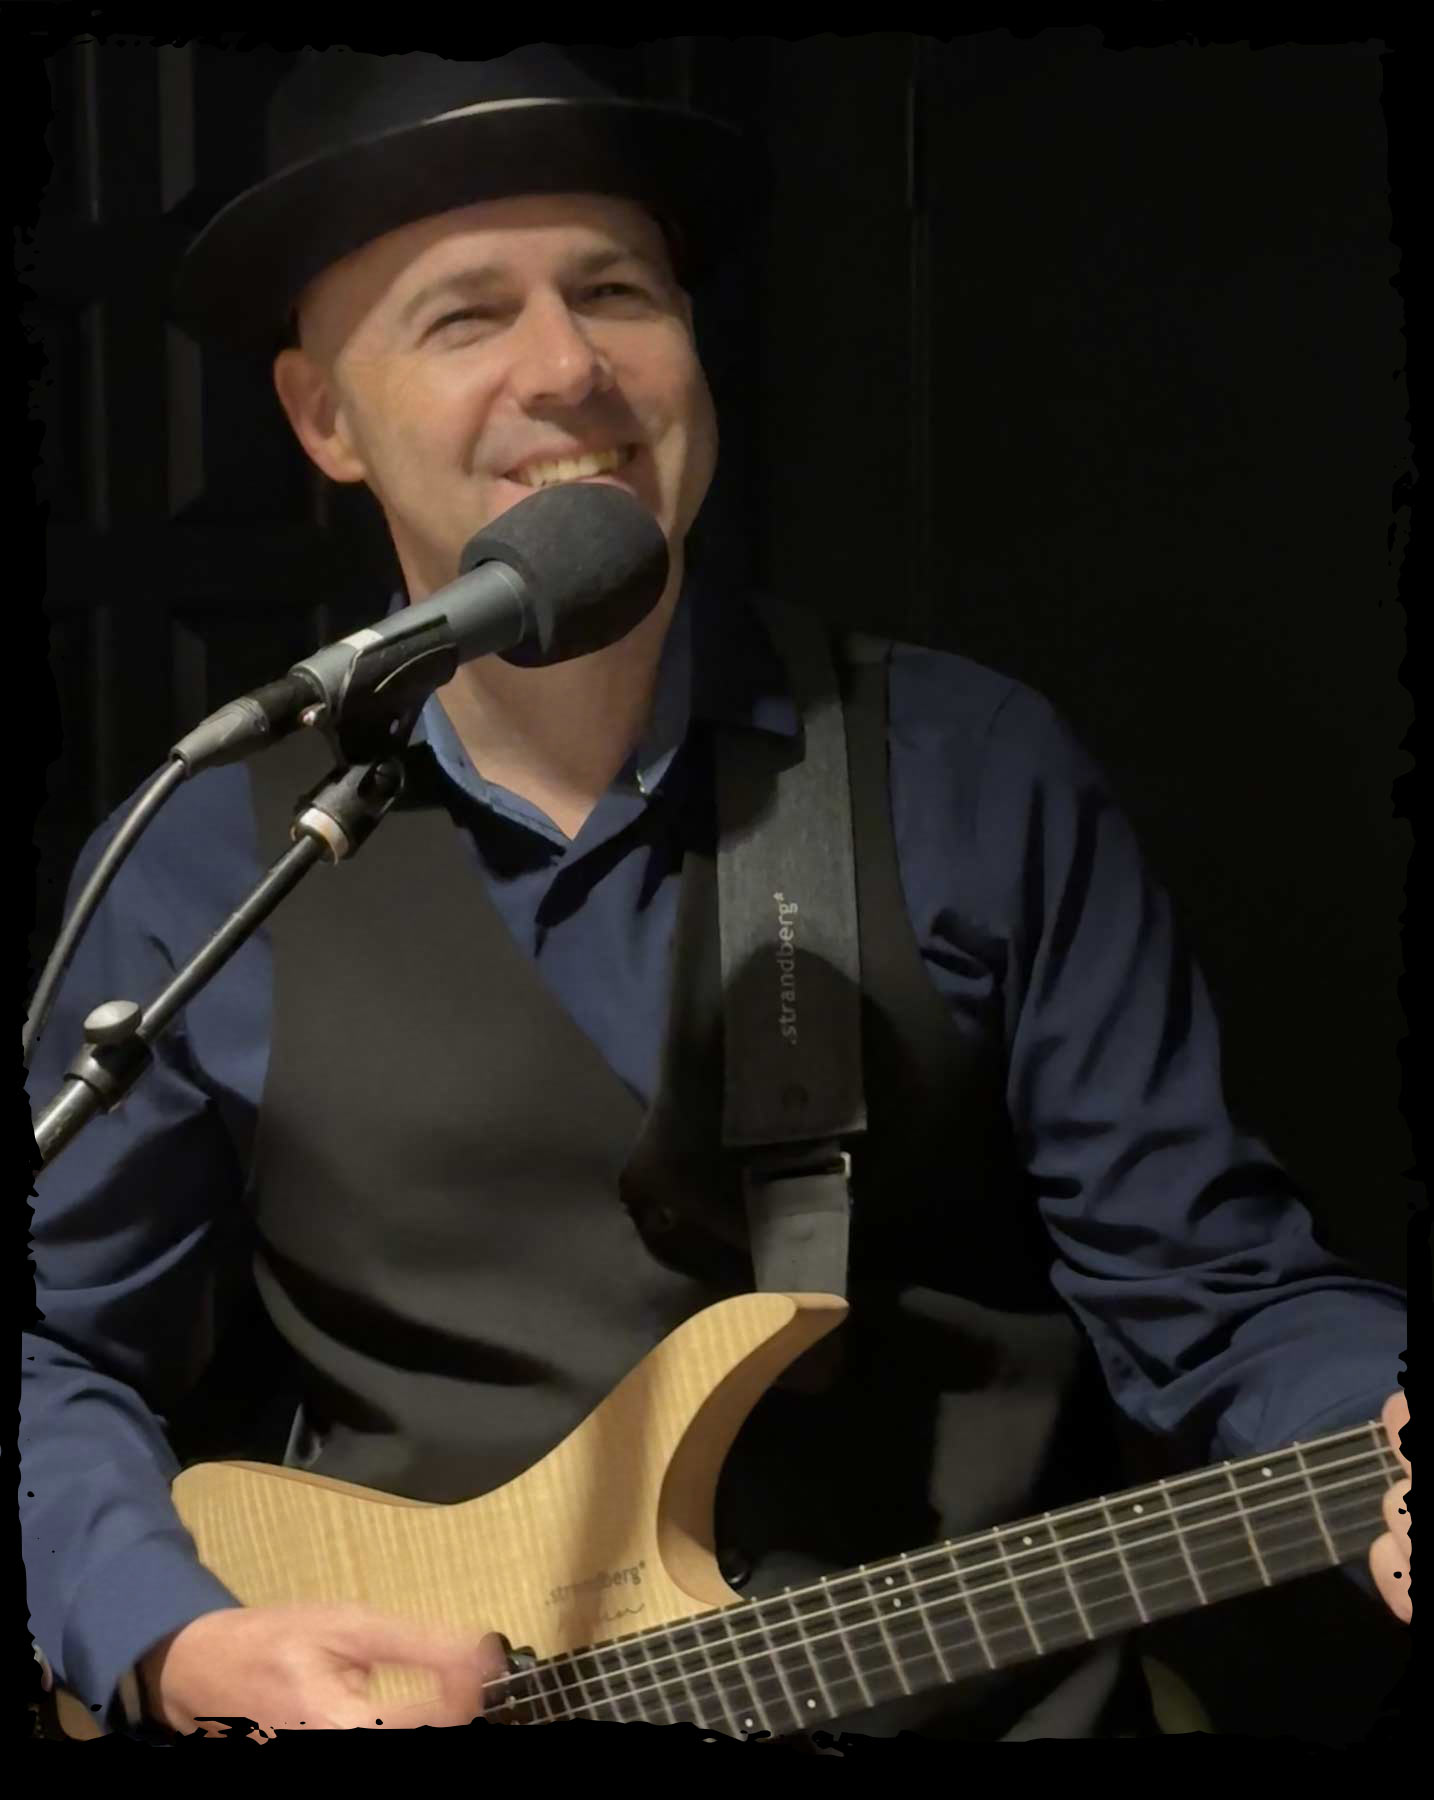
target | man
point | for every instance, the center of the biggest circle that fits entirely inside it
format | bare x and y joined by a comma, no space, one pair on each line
423,1145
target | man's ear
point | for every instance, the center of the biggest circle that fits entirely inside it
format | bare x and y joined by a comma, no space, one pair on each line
307,397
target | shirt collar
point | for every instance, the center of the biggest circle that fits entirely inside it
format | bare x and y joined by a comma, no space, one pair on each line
718,666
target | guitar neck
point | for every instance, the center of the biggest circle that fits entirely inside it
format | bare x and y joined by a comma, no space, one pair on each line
934,1617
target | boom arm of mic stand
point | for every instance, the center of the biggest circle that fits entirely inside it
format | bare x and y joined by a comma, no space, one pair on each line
332,822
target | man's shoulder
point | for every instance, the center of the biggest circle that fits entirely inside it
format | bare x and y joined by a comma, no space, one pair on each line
203,831
944,696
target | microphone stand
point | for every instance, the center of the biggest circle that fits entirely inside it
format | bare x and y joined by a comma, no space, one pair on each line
333,821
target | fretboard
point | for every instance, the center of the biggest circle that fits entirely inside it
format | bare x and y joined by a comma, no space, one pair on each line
936,1616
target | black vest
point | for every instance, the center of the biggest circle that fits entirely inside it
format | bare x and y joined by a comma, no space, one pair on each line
468,1230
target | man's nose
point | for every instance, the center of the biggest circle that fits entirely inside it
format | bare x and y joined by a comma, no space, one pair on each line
555,358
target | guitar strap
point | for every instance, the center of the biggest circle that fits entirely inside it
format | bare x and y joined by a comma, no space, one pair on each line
791,977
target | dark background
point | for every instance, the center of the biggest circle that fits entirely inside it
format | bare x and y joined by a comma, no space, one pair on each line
1084,361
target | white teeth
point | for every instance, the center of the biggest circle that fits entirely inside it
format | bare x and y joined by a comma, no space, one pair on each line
574,468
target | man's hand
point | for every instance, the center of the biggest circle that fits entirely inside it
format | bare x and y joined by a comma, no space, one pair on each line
306,1668
1389,1555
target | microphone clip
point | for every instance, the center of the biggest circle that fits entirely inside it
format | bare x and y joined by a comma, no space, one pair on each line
370,711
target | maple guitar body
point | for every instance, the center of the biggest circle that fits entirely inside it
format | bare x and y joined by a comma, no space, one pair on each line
611,1532
598,1565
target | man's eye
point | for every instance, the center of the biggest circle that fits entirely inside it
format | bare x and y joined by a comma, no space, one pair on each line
483,312
468,312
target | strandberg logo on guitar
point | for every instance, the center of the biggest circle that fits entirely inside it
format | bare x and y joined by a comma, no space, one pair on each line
609,1578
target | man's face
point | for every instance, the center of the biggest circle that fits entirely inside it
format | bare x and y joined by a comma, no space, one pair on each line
437,360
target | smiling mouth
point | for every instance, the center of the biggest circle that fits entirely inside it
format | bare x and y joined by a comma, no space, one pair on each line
628,454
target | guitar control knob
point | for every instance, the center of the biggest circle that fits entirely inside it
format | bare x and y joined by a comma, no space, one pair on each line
735,1568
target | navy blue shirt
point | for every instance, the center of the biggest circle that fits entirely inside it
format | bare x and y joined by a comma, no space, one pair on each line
1177,1240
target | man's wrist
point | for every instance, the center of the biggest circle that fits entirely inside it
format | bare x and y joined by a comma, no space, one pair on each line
147,1673
131,1697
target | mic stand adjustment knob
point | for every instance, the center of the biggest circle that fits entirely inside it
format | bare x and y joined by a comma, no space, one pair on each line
112,1023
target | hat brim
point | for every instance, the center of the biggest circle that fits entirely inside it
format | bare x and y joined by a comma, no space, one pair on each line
240,277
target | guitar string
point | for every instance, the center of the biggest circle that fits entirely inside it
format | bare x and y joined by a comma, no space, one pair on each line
943,1553
694,1623
769,1653
1380,1455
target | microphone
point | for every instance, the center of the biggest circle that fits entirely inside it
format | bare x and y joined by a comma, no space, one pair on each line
567,571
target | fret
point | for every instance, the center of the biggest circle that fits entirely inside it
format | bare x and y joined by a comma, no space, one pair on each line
726,1673
1273,1494
1172,1514
738,1660
563,1684
960,1629
1105,1570
1155,1552
1334,1555
829,1615
773,1707
689,1700
1037,1573
537,1686
1066,1574
800,1675
1349,1494
1018,1589
696,1687
544,1685
629,1663
935,1633
1245,1523
591,1693
940,1603
654,1681
991,1601
846,1624
1214,1534
902,1601
1385,1457
1359,1504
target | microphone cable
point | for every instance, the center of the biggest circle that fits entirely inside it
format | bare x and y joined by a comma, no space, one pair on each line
140,814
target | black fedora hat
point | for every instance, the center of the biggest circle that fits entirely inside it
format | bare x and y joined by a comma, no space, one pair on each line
359,145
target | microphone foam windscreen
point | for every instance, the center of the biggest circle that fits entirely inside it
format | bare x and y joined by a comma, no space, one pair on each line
593,561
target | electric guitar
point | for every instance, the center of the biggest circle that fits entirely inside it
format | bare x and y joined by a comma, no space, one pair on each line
601,1557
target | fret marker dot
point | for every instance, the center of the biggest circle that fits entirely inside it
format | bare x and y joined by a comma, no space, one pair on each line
1025,1540
896,1603
811,1706
1139,1509
1265,1472
749,1724
891,1581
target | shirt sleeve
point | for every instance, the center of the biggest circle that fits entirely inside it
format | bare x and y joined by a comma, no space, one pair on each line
1183,1248
124,1241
